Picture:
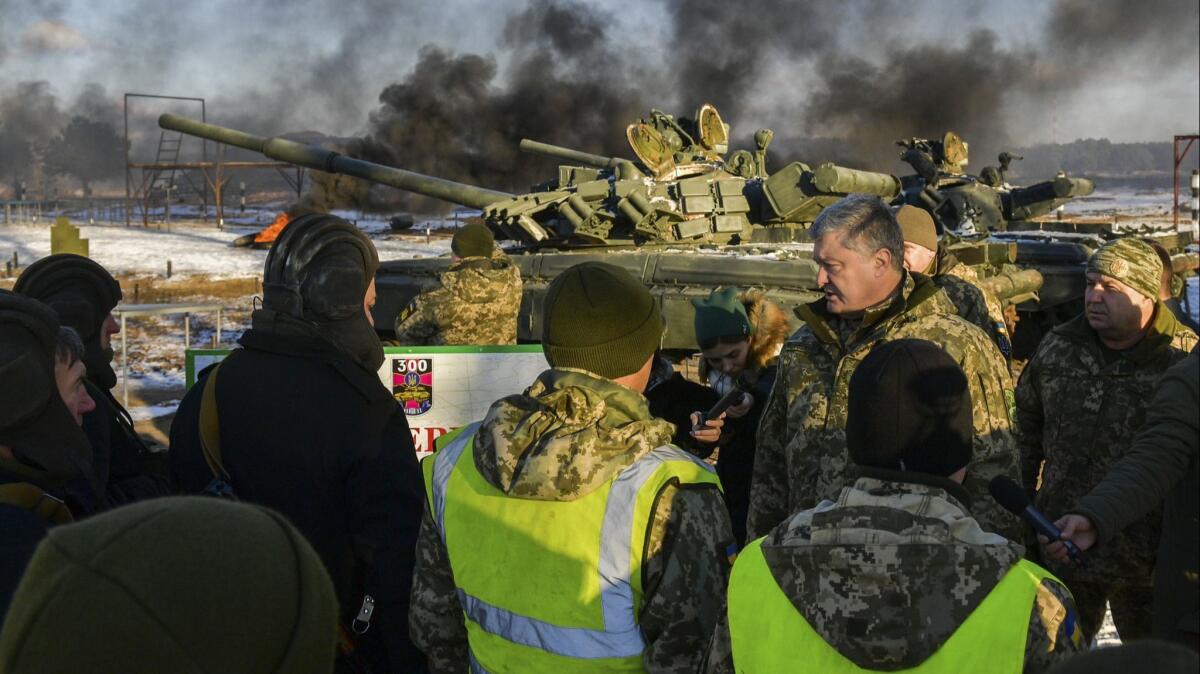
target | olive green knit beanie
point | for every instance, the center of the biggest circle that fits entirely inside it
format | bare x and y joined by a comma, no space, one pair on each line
721,315
917,226
182,584
473,240
599,318
1131,262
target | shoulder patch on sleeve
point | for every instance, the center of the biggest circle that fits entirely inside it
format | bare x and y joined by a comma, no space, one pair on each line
407,311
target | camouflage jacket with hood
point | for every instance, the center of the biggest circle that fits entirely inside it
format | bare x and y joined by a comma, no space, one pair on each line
477,303
568,434
974,302
802,458
889,571
1079,413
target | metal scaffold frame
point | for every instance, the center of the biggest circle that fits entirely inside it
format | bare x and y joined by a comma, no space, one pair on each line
216,174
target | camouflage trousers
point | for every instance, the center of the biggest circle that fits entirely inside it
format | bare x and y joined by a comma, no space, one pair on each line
1132,608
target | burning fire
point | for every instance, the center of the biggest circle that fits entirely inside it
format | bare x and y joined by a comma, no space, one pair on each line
271,233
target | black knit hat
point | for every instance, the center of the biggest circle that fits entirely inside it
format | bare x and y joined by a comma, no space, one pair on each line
34,421
599,318
910,409
83,294
473,240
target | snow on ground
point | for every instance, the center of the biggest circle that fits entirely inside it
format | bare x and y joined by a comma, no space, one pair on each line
192,248
148,412
1125,200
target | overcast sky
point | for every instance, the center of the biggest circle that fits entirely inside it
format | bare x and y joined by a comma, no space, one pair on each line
296,64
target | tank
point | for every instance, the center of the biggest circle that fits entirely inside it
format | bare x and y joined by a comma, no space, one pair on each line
685,216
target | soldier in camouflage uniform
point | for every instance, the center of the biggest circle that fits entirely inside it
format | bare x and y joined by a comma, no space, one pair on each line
924,254
477,303
886,573
1081,399
869,299
581,427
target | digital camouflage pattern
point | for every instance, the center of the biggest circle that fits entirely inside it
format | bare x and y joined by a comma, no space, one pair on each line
477,303
974,302
1130,261
567,435
802,456
1078,413
887,573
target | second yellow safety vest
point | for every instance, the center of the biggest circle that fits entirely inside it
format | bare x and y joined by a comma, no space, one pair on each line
769,635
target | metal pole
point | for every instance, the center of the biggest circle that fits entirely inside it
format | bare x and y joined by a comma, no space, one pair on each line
1195,204
124,363
218,344
187,331
128,170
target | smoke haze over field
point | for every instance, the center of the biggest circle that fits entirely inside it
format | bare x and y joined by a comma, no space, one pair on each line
449,88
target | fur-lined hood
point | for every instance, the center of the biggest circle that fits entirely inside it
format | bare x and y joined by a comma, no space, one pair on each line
770,326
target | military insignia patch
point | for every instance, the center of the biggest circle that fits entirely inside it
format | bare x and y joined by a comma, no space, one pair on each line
1119,267
408,310
412,384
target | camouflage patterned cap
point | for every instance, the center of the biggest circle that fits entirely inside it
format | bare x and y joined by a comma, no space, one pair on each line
1131,262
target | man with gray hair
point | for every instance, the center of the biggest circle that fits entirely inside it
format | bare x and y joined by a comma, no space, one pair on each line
869,299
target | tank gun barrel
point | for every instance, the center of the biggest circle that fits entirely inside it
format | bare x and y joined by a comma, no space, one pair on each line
834,179
567,154
320,159
1014,283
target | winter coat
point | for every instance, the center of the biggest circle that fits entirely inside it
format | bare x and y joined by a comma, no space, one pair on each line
889,570
802,457
735,461
308,432
119,457
1163,461
477,303
22,528
567,435
1079,414
673,398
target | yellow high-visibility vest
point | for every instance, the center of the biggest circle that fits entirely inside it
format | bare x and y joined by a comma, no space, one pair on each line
768,634
550,586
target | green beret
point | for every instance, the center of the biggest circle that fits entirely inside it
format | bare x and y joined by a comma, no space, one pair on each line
599,318
721,315
1131,262
473,240
178,584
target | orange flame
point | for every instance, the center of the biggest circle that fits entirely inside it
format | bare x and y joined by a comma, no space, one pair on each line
272,231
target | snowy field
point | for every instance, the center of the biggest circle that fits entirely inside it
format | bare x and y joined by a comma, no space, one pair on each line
192,247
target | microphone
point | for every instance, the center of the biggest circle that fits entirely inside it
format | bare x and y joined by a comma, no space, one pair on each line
1012,498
